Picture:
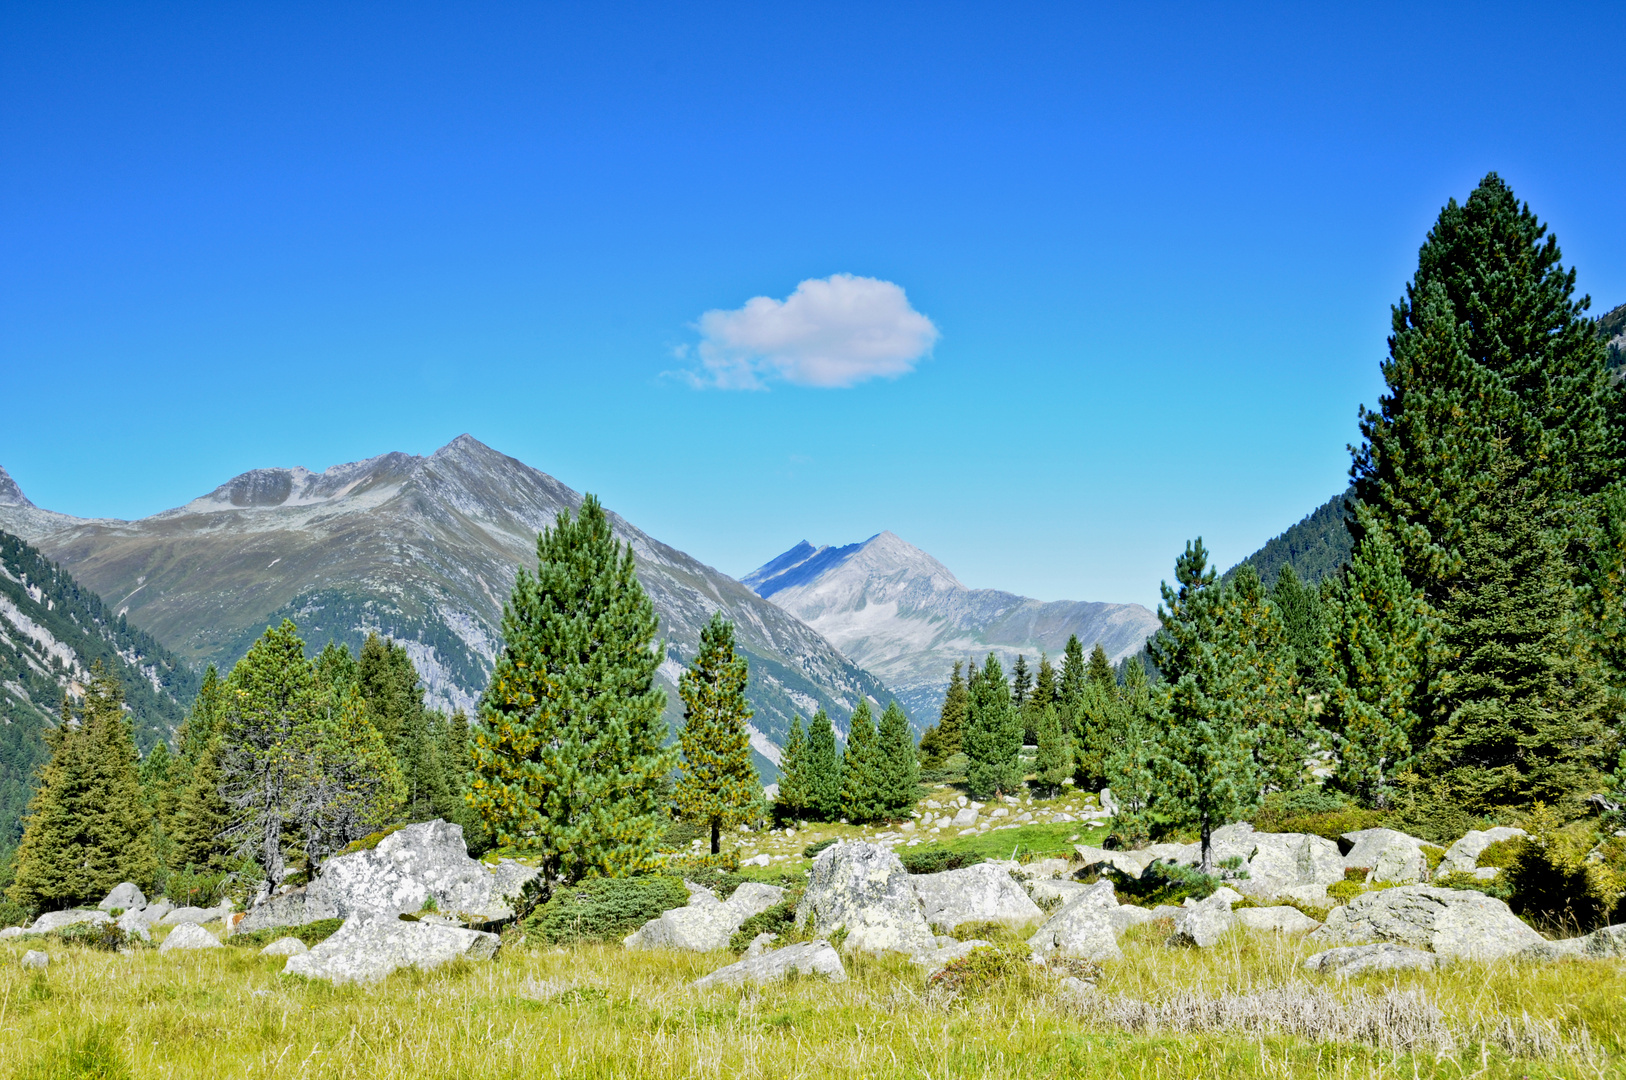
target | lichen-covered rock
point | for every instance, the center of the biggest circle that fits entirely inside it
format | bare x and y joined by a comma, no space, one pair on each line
1202,923
11,932
1463,856
189,936
1278,862
367,948
1451,922
981,893
33,958
1125,862
1387,855
56,920
1359,959
864,888
1084,927
285,946
1048,890
1044,868
760,943
1285,920
125,895
706,923
196,915
809,958
420,862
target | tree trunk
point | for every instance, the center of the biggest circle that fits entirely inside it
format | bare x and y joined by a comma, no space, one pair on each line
1208,848
716,835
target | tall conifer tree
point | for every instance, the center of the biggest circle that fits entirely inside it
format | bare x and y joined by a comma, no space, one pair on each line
993,734
823,769
794,801
568,756
942,741
719,785
1071,687
861,769
1021,683
1100,670
900,770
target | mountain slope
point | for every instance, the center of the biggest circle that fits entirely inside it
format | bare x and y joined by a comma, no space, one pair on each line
901,614
421,548
1316,546
51,631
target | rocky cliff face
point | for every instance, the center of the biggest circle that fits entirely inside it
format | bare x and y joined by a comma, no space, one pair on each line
901,614
421,548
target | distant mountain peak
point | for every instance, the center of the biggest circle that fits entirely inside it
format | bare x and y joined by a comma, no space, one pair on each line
10,493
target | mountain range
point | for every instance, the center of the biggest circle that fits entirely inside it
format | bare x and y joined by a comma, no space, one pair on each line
901,614
424,549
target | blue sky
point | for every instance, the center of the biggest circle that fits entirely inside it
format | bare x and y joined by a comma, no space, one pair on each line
1156,248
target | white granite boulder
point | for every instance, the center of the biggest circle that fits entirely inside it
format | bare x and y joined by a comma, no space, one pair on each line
189,936
808,958
1280,862
1462,857
367,948
11,932
33,958
1359,959
1201,923
1085,927
1284,920
1450,922
706,923
195,915
1386,855
125,895
56,920
864,888
287,946
981,893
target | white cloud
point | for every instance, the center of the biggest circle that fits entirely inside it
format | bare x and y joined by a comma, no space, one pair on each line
831,332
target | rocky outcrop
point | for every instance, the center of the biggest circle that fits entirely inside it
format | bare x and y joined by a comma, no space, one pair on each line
809,958
287,946
138,921
189,936
1359,959
1084,927
1450,922
706,923
864,889
125,895
1284,920
11,932
1125,862
1280,862
1386,855
1201,923
367,948
982,893
1463,856
56,920
408,867
195,915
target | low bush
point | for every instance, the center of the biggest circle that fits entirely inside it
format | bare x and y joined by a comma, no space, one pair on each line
681,834
1313,810
1557,882
779,920
984,968
1346,890
932,860
1501,853
1496,886
689,865
310,934
813,849
1163,883
102,936
603,909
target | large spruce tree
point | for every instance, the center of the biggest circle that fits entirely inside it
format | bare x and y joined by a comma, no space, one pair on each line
942,740
1265,674
794,801
862,771
567,757
823,769
719,785
992,737
900,768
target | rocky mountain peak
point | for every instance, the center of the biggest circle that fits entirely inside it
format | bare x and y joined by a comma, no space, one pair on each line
10,493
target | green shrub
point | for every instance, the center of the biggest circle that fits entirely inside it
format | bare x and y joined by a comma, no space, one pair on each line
1313,810
931,860
1432,854
1554,884
1496,886
779,920
1501,853
1346,890
310,934
689,865
680,834
12,913
604,909
1163,883
102,936
1356,873
984,968
812,850
371,840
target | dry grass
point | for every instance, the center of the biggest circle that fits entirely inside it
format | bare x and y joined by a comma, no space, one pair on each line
1242,1009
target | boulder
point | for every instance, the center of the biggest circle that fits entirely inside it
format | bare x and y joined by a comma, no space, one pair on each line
759,944
33,958
809,958
1126,915
286,946
1607,943
706,923
138,921
1463,856
367,948
864,888
1202,923
1279,862
125,895
981,893
1044,868
56,920
189,936
965,818
1451,922
1125,862
1285,920
1046,890
11,932
1387,855
1359,959
1084,927
296,907
1108,803
196,915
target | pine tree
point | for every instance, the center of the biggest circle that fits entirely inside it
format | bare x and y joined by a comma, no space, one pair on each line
50,862
1205,768
900,770
1094,732
1265,674
719,785
202,816
393,695
823,769
568,756
1379,660
861,769
1021,683
1129,766
336,668
345,783
993,734
1054,762
942,741
1071,688
273,705
1523,707
1044,684
1100,670
1303,620
794,801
